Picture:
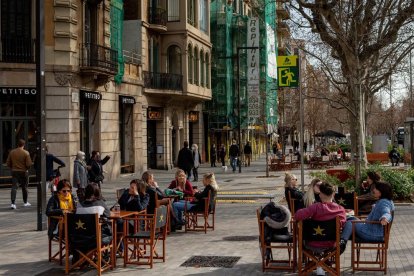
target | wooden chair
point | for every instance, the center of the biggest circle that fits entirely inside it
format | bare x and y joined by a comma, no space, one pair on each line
192,217
57,254
381,249
311,258
277,242
346,200
358,201
150,229
84,237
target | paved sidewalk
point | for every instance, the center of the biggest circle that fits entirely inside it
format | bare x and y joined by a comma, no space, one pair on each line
23,251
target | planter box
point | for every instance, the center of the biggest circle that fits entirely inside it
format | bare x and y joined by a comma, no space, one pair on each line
341,174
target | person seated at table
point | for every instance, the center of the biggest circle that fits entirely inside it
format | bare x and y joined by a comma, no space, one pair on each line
322,211
93,203
367,192
152,190
135,198
198,204
182,184
61,202
312,194
291,183
381,212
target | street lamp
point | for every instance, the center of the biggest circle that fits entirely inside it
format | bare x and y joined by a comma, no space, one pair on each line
238,95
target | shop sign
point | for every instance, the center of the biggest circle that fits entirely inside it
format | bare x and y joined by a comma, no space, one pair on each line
126,100
18,91
253,70
91,95
154,113
193,116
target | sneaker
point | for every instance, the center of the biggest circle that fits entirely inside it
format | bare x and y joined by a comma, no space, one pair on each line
320,271
13,206
27,204
342,246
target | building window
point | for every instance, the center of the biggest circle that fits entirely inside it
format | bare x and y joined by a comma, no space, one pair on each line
91,23
207,70
153,53
173,10
174,60
203,15
17,44
190,64
196,66
191,13
202,76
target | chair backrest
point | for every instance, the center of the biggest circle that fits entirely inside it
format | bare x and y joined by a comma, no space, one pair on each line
325,158
291,203
212,202
119,193
313,230
346,200
161,216
288,158
387,230
82,228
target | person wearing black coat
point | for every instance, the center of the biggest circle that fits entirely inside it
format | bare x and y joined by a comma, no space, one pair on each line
95,173
213,155
247,154
185,159
135,198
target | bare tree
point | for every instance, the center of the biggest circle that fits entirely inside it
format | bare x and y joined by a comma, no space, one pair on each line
367,40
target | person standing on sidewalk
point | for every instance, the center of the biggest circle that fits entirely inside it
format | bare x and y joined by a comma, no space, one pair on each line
213,155
247,154
96,171
185,160
19,162
222,155
197,161
234,154
80,175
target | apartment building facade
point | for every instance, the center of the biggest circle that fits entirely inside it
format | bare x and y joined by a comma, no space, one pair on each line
99,56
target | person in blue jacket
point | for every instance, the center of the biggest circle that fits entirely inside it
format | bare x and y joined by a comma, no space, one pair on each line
381,212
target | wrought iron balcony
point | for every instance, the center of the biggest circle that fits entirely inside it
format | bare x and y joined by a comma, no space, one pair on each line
17,49
157,16
165,81
98,59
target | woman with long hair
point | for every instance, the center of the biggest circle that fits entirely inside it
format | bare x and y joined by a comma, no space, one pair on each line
291,182
312,194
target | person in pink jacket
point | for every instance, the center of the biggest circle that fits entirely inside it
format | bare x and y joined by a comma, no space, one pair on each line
321,211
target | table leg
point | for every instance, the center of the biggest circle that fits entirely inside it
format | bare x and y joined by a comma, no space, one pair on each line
114,242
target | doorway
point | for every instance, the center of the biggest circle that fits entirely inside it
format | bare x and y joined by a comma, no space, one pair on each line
152,144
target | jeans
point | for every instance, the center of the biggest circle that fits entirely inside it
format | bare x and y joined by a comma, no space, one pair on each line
347,231
195,173
233,163
21,178
179,207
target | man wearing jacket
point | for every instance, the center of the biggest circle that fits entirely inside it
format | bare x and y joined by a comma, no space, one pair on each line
19,162
234,154
185,160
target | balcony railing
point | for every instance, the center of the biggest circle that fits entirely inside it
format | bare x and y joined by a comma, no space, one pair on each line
98,58
163,81
157,16
17,49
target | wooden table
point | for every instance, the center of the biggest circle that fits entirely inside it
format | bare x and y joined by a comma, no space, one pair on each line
114,217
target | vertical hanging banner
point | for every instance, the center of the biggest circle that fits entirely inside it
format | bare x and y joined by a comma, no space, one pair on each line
253,68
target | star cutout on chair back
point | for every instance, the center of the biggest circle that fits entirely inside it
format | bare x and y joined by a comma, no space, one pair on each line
79,225
318,231
341,201
161,218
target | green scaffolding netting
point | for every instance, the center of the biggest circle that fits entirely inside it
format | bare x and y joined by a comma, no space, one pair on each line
229,31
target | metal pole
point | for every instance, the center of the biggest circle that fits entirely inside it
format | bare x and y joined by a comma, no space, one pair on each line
411,89
238,104
41,116
301,137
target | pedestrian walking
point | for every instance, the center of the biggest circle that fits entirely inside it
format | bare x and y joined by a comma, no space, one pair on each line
185,159
80,175
234,154
197,161
305,146
222,155
95,174
19,162
51,174
213,155
247,153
